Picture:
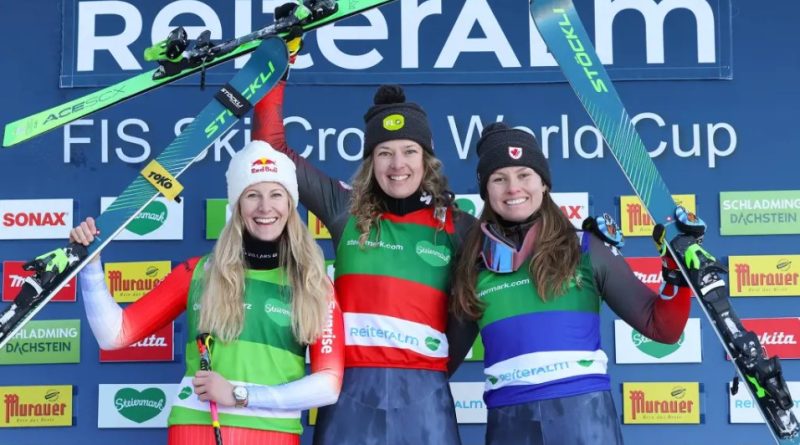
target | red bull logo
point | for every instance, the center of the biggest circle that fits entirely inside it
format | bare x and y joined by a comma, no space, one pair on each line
261,165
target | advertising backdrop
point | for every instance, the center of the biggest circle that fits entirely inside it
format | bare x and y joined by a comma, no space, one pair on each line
710,84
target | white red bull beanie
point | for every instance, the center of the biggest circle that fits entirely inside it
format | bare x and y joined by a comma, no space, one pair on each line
259,162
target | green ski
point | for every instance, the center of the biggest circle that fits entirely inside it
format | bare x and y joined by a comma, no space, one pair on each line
177,62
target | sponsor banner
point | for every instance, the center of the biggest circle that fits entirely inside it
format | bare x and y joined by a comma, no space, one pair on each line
317,229
764,275
134,405
475,353
468,398
632,347
217,214
778,336
46,341
14,276
35,406
35,218
157,347
634,219
129,281
661,402
443,42
162,219
574,205
743,409
647,270
775,212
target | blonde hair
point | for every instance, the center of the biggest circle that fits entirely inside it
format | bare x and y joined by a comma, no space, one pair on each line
222,307
555,260
366,204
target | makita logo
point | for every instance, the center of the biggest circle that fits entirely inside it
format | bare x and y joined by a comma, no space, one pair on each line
231,98
744,278
40,219
18,280
648,278
776,338
152,341
637,217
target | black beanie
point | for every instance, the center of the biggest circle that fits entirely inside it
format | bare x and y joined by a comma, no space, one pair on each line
393,118
502,146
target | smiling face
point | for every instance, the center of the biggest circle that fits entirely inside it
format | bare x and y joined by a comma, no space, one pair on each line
398,167
265,208
515,193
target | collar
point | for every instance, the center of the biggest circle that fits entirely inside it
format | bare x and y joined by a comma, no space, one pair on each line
259,255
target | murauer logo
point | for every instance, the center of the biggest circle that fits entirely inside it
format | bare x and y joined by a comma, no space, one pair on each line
263,165
640,404
746,278
48,406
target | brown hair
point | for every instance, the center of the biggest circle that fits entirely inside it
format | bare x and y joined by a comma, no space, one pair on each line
366,204
554,263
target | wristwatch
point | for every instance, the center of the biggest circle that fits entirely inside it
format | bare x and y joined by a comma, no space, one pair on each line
240,396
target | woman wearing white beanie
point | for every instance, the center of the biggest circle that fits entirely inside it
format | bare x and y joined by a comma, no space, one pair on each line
262,294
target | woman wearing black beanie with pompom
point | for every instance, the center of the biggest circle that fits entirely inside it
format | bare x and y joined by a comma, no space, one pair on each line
535,290
396,233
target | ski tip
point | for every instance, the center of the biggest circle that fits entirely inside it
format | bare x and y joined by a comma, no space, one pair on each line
9,138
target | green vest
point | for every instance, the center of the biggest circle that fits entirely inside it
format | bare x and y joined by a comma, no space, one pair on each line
266,353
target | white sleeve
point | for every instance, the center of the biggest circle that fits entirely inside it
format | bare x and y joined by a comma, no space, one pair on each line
103,313
311,391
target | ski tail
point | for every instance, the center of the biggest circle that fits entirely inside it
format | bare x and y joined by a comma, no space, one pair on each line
566,38
176,66
261,73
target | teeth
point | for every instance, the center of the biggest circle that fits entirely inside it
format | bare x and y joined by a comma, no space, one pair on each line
266,220
399,178
513,202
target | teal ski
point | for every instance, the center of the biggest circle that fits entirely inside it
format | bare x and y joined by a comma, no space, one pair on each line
54,269
177,62
562,30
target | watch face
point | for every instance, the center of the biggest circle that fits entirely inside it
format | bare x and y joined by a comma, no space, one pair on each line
240,393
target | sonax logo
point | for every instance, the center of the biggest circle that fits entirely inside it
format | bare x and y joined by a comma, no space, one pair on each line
35,218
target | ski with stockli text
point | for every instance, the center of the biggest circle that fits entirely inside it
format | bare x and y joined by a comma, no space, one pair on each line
54,269
567,40
179,58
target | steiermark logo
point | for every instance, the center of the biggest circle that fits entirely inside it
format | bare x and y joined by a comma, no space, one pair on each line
654,348
585,363
432,343
492,379
466,206
394,122
186,391
152,217
278,311
436,256
140,406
